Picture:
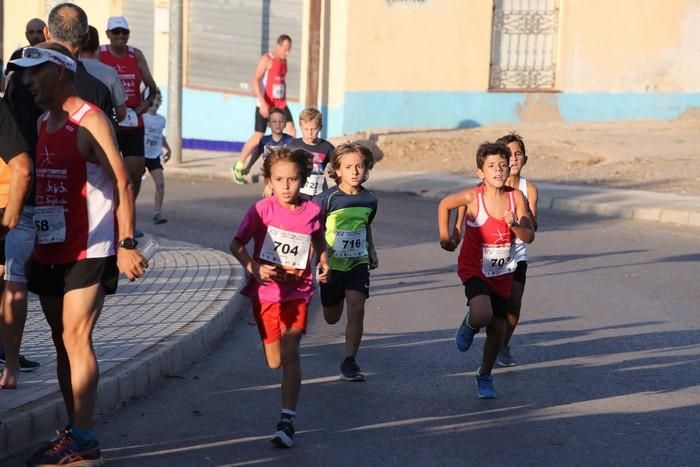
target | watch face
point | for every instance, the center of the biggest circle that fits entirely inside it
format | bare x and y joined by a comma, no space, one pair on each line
128,243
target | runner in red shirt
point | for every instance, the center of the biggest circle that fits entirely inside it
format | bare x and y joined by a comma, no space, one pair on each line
133,70
495,215
270,89
84,224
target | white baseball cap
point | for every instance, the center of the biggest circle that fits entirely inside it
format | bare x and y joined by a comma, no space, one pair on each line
115,22
33,56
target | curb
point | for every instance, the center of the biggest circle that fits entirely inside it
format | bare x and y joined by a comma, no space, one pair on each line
37,420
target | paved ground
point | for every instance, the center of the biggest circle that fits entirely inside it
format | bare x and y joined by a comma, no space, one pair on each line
188,290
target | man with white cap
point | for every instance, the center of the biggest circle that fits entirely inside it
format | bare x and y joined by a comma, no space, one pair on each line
84,238
133,70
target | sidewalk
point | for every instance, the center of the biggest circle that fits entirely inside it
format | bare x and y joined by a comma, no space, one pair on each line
627,204
152,328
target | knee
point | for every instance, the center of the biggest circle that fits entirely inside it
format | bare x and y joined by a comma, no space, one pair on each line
160,186
274,363
332,314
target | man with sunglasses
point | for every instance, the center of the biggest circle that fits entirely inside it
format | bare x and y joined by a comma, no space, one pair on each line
133,70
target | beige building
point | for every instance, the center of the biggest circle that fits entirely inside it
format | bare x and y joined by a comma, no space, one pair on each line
418,63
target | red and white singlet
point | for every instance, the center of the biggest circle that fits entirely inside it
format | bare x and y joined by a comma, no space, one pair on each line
129,73
74,215
274,83
488,248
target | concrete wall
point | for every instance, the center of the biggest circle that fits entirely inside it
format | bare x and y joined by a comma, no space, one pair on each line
425,64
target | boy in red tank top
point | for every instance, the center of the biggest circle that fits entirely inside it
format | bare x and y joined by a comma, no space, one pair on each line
492,215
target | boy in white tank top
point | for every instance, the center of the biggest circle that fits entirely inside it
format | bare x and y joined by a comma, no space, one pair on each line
515,180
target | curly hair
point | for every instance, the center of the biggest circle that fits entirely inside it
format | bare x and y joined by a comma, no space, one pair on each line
302,159
349,148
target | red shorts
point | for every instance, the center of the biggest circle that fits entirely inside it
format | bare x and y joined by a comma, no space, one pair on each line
272,318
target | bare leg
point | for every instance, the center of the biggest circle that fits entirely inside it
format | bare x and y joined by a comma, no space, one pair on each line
14,315
333,313
81,308
135,165
159,181
249,146
516,300
494,341
291,368
273,354
356,315
53,310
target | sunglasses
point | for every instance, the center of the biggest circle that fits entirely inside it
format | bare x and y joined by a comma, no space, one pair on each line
120,32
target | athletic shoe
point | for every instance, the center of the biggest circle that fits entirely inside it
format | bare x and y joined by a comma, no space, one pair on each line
505,358
159,218
350,370
284,436
69,451
465,335
237,173
485,385
59,433
25,365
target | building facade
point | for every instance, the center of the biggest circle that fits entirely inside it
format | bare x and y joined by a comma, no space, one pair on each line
399,64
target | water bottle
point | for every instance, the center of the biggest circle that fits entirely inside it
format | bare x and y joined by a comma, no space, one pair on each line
149,249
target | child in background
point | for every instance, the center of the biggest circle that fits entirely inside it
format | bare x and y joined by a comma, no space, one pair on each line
495,215
276,121
286,231
348,211
154,142
518,159
311,122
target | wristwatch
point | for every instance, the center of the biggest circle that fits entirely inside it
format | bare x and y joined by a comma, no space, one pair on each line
128,243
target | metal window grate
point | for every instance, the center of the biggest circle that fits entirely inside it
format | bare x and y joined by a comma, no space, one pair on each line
523,46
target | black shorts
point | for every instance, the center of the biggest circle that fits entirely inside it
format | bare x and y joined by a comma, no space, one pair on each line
55,280
261,122
520,273
153,164
130,141
476,286
333,292
2,252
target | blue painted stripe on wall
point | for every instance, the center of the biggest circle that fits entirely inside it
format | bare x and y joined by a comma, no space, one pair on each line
226,120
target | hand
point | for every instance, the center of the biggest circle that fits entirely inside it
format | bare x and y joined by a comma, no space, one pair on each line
509,217
131,263
264,110
263,272
373,260
448,245
287,274
324,272
166,156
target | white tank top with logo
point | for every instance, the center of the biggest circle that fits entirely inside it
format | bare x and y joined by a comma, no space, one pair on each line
520,246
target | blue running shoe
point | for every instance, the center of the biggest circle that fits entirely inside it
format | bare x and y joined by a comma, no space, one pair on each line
465,335
485,385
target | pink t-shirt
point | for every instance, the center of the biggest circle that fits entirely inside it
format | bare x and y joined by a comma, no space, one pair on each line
267,218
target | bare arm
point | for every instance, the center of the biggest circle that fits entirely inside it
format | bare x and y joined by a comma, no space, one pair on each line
166,156
263,65
324,269
459,201
147,79
20,179
261,272
532,195
371,251
96,140
521,223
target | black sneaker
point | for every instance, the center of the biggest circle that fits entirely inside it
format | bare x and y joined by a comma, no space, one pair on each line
284,436
350,370
25,365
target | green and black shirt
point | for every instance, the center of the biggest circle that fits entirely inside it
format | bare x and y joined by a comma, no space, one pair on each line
346,219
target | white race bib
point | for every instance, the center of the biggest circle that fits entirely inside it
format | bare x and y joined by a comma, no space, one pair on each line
285,248
350,243
498,260
278,91
313,185
131,120
50,224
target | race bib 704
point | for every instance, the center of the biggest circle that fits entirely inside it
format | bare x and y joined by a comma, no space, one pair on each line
285,248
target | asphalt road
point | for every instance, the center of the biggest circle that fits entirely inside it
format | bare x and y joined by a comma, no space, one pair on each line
609,352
